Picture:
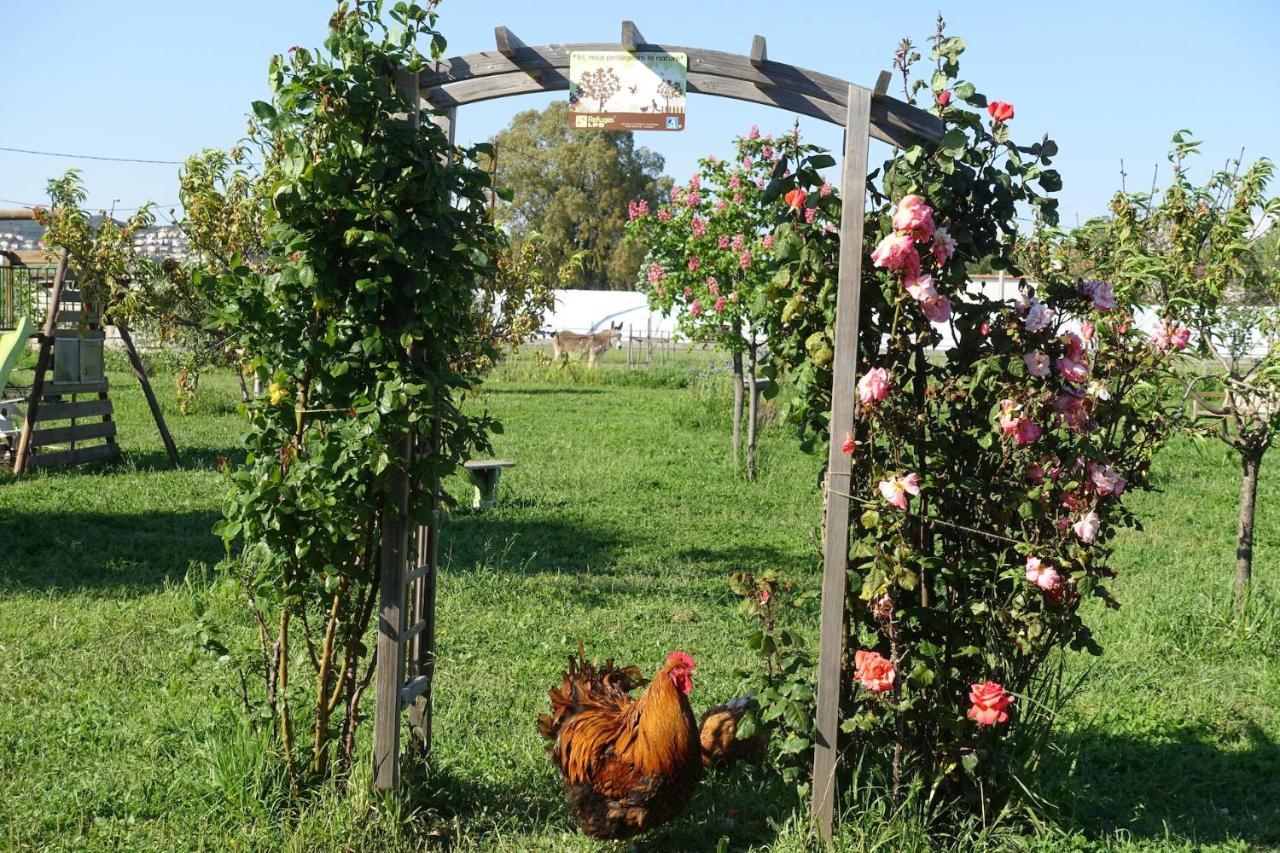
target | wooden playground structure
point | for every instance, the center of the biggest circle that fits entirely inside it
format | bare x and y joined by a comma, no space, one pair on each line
67,413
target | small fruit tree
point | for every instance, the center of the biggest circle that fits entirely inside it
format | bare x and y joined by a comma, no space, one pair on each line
376,239
1201,252
711,252
987,477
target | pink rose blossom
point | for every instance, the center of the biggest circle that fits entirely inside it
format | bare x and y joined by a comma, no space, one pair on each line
719,306
914,216
733,297
664,215
721,205
895,489
735,181
1072,406
1180,337
768,152
695,308
738,197
656,273
693,199
873,671
699,226
1107,480
1072,501
1103,294
1086,528
920,287
759,183
767,241
637,209
1088,330
1027,432
744,260
944,246
755,132
713,286
873,386
1042,575
990,701
825,189
1076,372
688,293
897,252
809,214
1039,316
723,242
694,263
748,162
1008,417
695,182
936,308
1037,363
1075,346
738,242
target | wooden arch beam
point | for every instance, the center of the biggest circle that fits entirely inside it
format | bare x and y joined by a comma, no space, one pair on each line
517,69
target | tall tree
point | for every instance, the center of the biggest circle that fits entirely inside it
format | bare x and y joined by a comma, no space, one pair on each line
572,187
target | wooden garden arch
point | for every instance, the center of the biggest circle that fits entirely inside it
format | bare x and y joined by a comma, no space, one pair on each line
515,68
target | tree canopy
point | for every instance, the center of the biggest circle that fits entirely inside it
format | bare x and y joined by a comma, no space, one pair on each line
572,187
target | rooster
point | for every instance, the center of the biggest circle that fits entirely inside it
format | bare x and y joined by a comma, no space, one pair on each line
629,764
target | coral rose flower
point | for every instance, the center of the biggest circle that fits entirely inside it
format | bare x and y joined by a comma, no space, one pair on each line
897,252
943,98
1001,111
873,671
990,703
795,199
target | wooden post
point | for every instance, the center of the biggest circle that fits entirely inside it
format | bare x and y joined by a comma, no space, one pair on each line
391,593
835,555
42,361
140,373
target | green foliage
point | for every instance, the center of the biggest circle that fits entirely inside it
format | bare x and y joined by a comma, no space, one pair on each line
572,187
359,314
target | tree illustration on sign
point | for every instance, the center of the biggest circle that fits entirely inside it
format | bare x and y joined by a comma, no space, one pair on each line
669,91
599,85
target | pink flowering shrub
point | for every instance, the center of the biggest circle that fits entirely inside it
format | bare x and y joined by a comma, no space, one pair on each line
989,476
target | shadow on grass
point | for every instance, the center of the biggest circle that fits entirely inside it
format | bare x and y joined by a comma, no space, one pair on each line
120,551
524,546
530,392
740,807
1177,782
754,557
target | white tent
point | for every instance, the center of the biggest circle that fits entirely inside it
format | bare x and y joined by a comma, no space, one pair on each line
594,310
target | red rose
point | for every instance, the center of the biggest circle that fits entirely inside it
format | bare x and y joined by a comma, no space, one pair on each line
850,443
990,703
1000,111
795,199
873,671
943,98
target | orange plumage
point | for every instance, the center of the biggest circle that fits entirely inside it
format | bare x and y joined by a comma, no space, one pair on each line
718,733
629,764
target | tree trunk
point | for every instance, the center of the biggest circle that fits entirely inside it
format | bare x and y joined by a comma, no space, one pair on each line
753,401
1251,460
737,404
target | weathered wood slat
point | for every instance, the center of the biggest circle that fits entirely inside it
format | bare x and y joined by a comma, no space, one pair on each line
100,387
759,52
507,41
78,409
73,318
79,456
42,365
835,553
631,38
892,120
76,432
415,629
16,214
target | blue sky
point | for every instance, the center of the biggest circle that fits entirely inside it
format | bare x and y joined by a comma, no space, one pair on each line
1107,80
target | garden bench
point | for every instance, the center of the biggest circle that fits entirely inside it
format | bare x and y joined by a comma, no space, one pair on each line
485,474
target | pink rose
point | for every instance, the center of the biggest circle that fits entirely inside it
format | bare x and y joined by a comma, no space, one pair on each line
698,225
936,308
1180,337
755,132
747,162
1086,528
1041,574
767,241
695,308
944,246
656,273
1088,330
721,205
1076,372
825,190
713,286
664,215
735,181
1000,111
676,192
1103,294
1008,416
694,263
738,242
723,242
873,671
809,214
1027,431
637,209
719,306
1072,407
1039,316
943,98
990,703
695,182
688,293
897,252
850,443
744,260
1037,363
920,287
895,489
914,216
873,386
1075,346
1107,480
693,199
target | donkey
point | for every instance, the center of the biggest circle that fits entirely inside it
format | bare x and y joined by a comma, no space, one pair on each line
591,344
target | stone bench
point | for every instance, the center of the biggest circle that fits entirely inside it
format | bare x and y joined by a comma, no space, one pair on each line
485,474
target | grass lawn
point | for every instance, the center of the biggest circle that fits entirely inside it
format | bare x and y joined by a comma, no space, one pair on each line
619,527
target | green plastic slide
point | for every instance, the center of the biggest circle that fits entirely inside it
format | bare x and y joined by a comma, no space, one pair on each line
12,342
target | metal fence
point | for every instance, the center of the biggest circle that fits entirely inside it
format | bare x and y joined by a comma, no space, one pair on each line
24,291
640,348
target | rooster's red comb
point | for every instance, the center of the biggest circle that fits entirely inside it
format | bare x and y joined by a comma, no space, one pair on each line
681,659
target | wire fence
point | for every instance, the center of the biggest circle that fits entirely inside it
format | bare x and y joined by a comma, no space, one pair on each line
637,348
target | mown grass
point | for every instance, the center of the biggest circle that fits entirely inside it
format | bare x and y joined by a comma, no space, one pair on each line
619,526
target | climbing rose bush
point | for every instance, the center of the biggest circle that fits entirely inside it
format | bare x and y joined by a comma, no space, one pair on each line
988,476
